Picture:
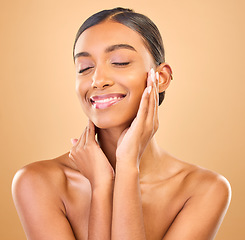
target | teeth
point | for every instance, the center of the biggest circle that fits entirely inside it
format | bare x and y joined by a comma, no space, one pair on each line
107,99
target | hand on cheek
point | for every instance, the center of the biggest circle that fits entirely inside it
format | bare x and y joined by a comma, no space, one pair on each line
144,125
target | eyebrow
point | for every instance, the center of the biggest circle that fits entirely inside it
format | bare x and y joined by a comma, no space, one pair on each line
119,46
107,50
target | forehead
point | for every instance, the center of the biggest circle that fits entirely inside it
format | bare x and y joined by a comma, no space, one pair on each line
108,33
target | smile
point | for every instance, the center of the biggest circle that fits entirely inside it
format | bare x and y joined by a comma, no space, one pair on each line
105,101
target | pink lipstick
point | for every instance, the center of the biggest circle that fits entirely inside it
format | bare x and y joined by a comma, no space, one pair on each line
107,100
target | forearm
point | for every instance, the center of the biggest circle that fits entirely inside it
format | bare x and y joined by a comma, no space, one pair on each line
100,213
127,219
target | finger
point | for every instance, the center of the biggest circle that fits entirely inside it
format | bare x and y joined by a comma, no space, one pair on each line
143,108
152,98
156,102
138,122
157,86
144,104
71,157
82,139
90,137
152,116
74,141
156,94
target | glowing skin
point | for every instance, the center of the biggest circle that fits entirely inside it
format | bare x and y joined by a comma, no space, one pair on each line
120,71
95,190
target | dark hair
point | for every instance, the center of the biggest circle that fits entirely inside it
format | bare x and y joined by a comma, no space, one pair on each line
137,22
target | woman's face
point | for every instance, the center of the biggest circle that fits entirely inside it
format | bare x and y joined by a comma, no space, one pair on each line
111,70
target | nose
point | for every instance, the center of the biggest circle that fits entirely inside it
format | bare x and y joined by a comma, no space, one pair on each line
101,78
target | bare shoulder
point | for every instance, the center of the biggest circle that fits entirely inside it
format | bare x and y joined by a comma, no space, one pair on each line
40,172
210,183
42,177
50,178
40,192
205,199
204,182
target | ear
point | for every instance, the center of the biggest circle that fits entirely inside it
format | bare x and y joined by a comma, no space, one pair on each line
165,76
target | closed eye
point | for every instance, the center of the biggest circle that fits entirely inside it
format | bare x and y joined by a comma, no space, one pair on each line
83,70
120,63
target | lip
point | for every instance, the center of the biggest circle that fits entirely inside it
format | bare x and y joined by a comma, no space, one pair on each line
106,100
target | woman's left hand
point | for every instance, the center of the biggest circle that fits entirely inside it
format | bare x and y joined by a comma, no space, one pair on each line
134,139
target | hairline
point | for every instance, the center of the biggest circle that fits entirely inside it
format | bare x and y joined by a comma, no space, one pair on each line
110,19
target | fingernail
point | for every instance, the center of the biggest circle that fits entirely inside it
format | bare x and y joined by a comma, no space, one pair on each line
73,141
152,75
149,89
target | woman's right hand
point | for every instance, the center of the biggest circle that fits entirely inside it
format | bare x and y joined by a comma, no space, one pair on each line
90,159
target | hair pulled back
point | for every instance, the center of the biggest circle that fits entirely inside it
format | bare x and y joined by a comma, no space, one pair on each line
137,22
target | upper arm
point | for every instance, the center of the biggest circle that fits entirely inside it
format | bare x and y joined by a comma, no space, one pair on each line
39,207
201,216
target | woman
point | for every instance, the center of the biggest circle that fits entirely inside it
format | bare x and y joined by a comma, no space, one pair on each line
116,182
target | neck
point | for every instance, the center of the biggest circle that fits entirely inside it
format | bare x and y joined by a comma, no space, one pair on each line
108,139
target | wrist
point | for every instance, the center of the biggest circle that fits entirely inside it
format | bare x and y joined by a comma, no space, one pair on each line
127,167
102,184
128,162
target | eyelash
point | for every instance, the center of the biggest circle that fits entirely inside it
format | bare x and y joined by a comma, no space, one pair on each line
115,63
83,70
121,63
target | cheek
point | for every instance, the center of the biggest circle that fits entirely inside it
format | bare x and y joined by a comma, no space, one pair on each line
81,88
81,93
78,86
137,82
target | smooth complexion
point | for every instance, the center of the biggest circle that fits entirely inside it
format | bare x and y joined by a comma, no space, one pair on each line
105,55
124,186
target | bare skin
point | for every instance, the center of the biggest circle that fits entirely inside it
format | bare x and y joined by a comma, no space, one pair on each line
165,192
123,186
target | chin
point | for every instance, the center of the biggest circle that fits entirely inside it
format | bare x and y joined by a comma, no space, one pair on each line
108,123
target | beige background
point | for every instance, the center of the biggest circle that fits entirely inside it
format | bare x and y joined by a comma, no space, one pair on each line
202,118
